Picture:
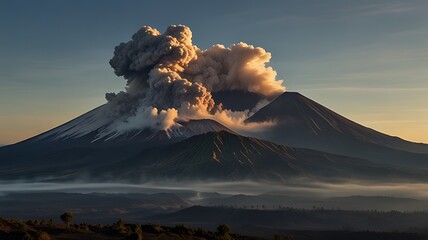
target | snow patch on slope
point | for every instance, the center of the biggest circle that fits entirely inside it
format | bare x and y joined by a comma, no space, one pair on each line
99,123
85,124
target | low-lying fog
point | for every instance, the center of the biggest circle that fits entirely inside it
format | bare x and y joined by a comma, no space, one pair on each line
148,202
295,188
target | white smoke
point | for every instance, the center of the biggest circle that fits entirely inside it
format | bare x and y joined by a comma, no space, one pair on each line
149,118
169,78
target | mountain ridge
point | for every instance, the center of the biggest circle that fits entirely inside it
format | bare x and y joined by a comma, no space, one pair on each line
226,156
301,122
196,148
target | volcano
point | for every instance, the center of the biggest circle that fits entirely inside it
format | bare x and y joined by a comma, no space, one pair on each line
95,127
302,122
306,141
87,142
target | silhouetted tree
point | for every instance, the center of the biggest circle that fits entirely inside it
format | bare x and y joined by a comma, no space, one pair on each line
137,233
120,223
223,230
120,226
67,217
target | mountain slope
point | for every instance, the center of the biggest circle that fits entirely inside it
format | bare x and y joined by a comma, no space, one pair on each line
226,156
217,156
302,122
204,149
96,126
75,148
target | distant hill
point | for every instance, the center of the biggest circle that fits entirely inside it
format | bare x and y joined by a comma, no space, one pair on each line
358,203
295,219
227,156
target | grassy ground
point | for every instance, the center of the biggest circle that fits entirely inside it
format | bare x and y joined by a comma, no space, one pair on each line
11,229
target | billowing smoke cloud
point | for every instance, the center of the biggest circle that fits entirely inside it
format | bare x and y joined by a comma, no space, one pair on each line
169,78
240,67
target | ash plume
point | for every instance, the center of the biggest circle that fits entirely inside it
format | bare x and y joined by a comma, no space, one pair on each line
169,78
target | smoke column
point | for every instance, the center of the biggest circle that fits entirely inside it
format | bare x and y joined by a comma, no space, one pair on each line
168,78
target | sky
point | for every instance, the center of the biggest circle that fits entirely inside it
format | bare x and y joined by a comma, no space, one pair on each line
366,60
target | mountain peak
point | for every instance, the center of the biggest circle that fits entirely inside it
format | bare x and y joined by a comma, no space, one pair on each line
290,93
294,108
302,122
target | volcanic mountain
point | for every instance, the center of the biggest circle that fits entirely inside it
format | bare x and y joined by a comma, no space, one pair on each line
212,156
301,122
86,142
95,127
87,148
227,156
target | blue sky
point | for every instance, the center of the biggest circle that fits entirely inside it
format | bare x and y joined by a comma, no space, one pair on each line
367,60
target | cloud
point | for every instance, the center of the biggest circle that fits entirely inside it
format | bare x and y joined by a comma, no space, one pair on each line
387,8
240,67
294,187
168,78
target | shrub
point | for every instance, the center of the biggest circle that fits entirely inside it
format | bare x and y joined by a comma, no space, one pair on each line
223,230
43,236
157,228
183,230
84,226
120,223
137,233
27,236
67,217
120,226
23,227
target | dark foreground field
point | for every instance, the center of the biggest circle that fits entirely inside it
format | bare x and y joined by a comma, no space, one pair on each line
11,229
175,216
